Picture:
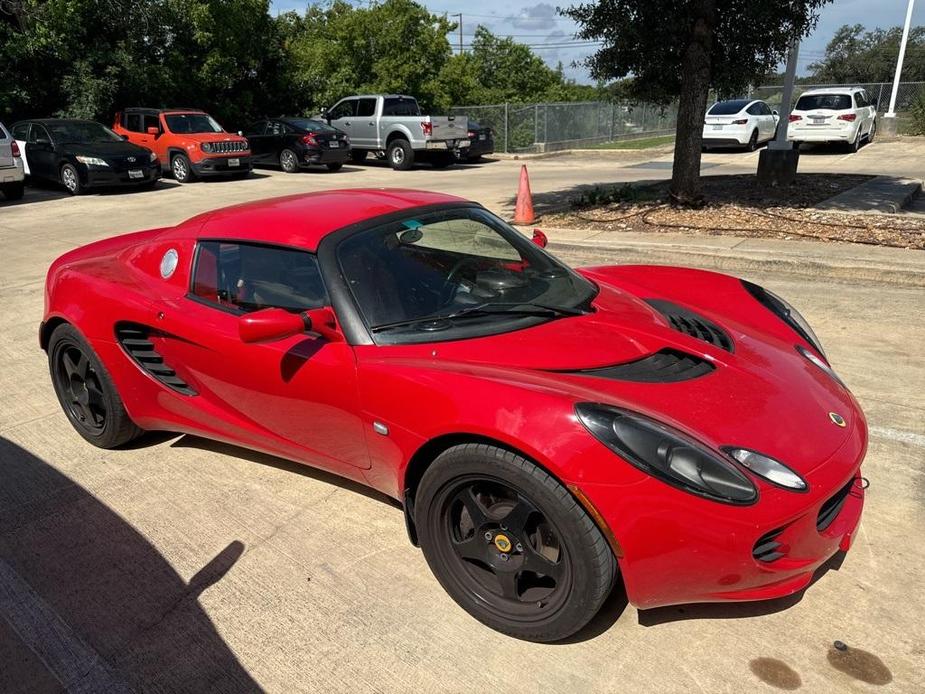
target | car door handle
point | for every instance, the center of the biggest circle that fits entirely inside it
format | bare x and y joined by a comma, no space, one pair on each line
371,123
347,122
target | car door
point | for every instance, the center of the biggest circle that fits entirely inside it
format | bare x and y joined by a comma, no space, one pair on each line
297,396
343,116
134,124
365,132
256,134
20,133
40,151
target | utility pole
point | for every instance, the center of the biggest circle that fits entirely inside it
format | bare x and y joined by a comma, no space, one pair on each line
459,14
777,163
890,116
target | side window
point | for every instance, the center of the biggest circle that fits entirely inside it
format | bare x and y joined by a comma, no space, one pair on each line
274,127
754,110
366,108
765,109
133,122
21,132
254,129
39,133
345,109
150,122
860,99
249,277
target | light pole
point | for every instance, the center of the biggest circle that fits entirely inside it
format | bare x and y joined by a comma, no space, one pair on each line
777,163
890,116
459,14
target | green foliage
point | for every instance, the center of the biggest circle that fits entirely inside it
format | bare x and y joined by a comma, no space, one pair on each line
916,125
625,193
648,40
856,55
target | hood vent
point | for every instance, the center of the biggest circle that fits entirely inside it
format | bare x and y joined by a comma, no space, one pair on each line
135,340
666,366
686,321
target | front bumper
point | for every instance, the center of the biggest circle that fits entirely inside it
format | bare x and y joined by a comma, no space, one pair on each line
677,548
219,166
108,177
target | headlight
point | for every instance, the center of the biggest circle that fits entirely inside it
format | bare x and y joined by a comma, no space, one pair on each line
91,161
785,312
772,470
821,364
206,146
667,454
152,157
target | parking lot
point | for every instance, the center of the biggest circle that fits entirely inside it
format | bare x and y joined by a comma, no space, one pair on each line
256,573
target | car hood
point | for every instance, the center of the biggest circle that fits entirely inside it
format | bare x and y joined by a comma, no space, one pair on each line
106,149
763,395
210,137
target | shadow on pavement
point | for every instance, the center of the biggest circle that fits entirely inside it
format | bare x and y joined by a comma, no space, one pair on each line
40,190
87,603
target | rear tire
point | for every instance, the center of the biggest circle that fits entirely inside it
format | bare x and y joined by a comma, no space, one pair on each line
86,392
753,141
510,544
400,155
855,145
288,161
873,131
14,191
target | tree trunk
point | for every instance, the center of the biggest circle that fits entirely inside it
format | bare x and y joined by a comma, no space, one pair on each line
692,104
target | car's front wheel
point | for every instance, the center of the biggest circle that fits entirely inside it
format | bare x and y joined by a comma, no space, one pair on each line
510,544
181,168
70,179
86,391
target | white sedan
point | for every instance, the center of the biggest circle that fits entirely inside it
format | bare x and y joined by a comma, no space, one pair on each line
739,123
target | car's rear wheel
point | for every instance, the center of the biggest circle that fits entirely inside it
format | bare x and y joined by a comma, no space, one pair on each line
181,168
288,161
872,132
855,144
753,141
400,155
70,179
510,544
86,391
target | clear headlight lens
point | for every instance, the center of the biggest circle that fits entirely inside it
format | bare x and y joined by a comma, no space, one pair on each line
668,454
152,157
91,161
773,471
785,312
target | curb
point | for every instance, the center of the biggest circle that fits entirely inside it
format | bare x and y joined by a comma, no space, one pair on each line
880,195
739,262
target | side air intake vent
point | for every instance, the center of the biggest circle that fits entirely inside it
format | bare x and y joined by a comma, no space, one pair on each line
768,549
666,366
686,321
831,508
135,340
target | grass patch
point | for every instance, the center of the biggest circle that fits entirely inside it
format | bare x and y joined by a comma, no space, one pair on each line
626,193
643,143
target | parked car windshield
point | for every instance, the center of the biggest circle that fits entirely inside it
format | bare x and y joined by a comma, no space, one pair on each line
454,274
192,123
727,108
834,102
313,125
81,132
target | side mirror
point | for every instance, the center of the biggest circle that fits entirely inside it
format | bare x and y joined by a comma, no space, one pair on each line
270,324
539,238
774,113
153,130
322,321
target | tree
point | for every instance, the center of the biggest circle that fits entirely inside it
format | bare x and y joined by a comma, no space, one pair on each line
683,48
856,55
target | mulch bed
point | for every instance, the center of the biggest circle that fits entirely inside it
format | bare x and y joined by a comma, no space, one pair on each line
738,206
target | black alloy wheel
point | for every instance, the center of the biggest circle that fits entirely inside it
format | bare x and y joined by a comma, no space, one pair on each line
510,544
86,391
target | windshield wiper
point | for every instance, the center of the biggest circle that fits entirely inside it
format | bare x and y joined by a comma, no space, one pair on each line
523,308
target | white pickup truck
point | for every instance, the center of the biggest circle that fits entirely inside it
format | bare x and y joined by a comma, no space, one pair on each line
392,127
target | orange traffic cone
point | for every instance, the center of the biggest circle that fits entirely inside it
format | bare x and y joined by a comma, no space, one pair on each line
523,212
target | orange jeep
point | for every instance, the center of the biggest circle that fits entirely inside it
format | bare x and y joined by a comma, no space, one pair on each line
188,142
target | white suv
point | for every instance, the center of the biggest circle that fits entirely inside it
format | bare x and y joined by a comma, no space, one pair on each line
12,173
836,114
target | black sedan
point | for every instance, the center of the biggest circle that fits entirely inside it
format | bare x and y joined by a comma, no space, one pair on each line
481,142
83,154
295,143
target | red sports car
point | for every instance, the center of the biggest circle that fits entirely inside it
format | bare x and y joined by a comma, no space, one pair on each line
548,430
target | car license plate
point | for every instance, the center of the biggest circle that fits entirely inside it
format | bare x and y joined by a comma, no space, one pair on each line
482,136
333,144
717,127
136,173
234,162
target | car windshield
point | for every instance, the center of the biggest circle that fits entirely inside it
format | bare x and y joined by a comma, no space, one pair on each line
192,123
727,108
81,132
833,102
312,125
454,274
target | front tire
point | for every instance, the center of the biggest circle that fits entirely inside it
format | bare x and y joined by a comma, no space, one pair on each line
86,392
510,544
181,168
70,179
400,155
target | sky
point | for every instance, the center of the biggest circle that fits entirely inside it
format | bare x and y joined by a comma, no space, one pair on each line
551,36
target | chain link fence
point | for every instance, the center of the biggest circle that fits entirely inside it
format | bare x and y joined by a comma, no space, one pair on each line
548,127
906,95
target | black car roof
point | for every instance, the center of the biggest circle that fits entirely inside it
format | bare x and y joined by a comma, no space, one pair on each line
155,111
49,121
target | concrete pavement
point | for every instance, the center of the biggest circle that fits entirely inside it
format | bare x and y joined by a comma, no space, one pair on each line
182,565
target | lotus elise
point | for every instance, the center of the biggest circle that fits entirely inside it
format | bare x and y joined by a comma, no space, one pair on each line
548,431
